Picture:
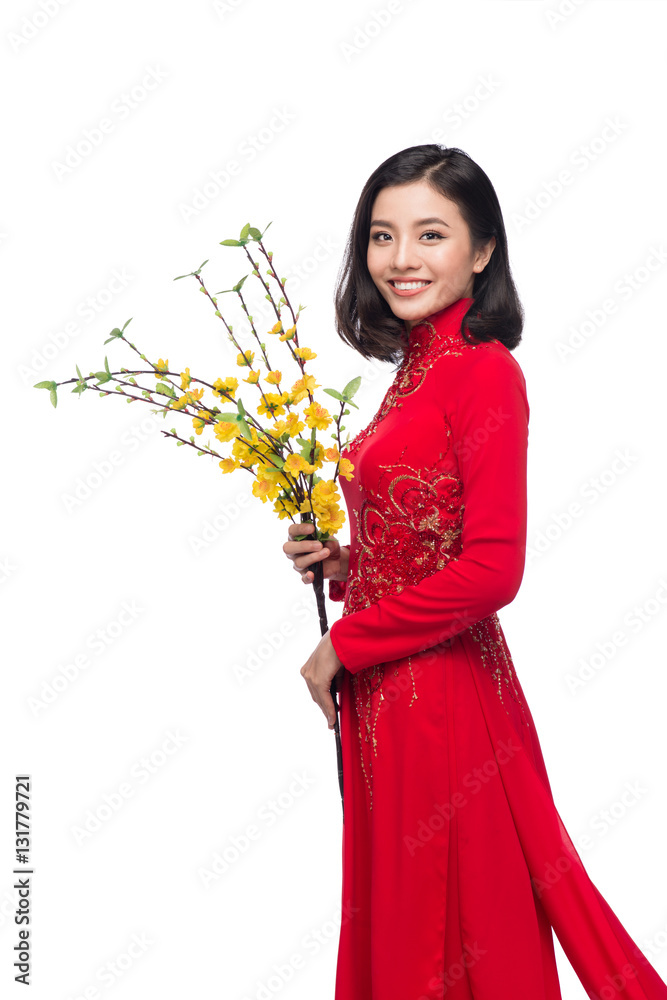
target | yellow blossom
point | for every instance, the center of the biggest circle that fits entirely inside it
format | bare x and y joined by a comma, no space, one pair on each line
318,458
227,430
272,403
200,422
346,469
229,464
303,386
325,492
331,520
317,416
304,353
228,385
162,367
185,378
245,454
288,334
280,427
274,377
294,464
191,396
293,424
245,358
265,489
332,454
285,507
252,378
278,328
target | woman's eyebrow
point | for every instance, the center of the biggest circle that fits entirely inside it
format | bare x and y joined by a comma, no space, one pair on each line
419,222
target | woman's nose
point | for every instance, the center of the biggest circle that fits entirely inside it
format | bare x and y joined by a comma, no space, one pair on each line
405,256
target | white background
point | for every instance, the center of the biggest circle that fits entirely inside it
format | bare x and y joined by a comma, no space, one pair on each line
528,93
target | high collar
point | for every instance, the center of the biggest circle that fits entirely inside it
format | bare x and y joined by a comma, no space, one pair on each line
446,322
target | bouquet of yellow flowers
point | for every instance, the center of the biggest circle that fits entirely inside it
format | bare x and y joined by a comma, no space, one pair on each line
282,459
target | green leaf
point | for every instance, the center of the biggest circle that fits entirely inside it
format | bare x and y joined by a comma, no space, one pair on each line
165,390
239,286
227,416
336,395
44,385
240,407
80,387
255,233
78,371
54,397
266,228
106,365
191,273
102,377
230,243
351,387
245,231
245,428
126,324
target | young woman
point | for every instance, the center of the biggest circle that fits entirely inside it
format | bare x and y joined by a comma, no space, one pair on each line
456,863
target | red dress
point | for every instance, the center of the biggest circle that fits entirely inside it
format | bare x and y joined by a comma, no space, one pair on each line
456,863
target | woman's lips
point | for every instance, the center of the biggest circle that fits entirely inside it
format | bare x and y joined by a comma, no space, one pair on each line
407,291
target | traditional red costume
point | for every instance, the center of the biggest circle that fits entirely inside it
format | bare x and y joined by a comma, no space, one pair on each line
456,863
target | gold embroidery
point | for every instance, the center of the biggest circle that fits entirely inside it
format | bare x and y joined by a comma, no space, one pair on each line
367,690
405,531
496,657
428,347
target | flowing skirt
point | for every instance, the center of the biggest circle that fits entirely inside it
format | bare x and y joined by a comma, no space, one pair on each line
456,863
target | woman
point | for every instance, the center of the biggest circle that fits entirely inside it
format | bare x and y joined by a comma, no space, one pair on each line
456,864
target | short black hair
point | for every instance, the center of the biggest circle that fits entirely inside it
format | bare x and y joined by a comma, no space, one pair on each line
364,319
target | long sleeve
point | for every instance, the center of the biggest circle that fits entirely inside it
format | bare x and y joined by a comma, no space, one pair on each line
484,399
337,589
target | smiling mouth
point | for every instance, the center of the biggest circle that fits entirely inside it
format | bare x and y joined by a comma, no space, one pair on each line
405,286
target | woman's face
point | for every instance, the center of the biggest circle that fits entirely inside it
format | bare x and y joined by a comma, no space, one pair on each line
419,236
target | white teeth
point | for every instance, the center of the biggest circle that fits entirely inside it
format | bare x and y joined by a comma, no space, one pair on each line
405,285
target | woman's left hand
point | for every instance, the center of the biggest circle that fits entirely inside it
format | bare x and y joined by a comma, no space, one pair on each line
319,670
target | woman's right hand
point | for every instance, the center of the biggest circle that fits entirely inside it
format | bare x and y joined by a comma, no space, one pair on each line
334,557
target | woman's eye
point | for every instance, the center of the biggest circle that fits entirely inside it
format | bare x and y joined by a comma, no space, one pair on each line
378,237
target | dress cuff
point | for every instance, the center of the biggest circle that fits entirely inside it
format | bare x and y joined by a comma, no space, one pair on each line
337,590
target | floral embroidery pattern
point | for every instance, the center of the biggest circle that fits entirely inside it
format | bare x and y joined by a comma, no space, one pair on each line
496,658
409,527
424,350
